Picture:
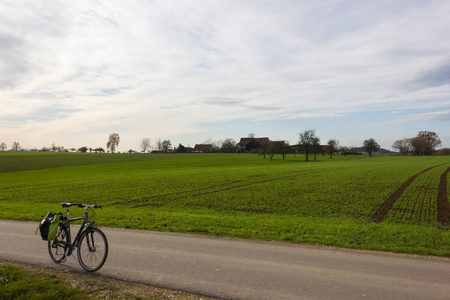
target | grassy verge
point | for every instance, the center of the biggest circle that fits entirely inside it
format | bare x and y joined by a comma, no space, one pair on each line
20,281
18,284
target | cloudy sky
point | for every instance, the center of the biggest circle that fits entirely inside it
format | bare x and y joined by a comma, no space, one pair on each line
72,72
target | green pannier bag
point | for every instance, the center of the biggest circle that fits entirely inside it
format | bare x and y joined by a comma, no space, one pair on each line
49,226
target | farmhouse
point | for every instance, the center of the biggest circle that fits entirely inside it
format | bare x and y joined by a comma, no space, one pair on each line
252,144
203,148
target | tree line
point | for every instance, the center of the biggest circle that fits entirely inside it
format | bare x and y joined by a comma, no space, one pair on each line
424,143
53,148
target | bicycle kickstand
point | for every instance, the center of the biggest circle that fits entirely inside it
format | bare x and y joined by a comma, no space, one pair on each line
65,255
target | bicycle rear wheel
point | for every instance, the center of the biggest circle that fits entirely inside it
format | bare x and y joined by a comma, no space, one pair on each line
92,249
57,247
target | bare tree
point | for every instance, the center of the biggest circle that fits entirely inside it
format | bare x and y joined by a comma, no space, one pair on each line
228,146
424,143
315,146
370,146
158,145
332,146
3,147
264,149
306,140
419,145
145,144
113,142
16,146
432,141
277,147
55,148
165,146
215,146
403,146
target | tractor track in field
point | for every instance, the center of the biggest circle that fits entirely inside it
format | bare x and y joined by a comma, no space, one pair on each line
442,199
206,192
209,190
387,205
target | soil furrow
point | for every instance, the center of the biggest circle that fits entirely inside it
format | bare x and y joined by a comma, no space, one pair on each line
384,209
442,200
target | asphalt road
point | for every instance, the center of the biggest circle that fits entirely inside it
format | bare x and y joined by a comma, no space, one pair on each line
239,269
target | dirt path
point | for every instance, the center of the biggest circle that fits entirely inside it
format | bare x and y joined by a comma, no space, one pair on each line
442,200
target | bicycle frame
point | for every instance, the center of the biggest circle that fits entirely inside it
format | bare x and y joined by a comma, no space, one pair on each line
84,226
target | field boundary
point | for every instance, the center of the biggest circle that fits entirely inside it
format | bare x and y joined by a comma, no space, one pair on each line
442,200
387,205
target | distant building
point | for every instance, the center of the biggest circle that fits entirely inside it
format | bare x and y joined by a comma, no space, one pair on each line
203,148
252,144
23,150
156,152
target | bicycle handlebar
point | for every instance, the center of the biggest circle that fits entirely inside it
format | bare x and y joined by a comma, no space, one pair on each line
80,205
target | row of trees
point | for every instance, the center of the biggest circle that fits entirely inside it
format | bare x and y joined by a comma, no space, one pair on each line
15,146
164,146
424,143
309,143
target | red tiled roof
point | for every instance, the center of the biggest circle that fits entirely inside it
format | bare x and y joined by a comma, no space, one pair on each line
261,141
203,147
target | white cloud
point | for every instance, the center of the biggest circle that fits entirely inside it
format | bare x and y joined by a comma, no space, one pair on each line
428,117
161,68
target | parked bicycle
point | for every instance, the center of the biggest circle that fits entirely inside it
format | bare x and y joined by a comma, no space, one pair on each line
91,242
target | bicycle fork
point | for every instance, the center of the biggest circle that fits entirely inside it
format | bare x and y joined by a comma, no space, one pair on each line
90,236
90,241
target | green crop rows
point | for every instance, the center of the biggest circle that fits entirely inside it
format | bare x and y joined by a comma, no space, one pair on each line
418,205
330,202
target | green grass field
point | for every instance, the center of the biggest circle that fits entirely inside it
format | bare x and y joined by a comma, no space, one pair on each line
328,202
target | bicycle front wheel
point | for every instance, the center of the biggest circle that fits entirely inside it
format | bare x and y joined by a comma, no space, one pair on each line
92,249
57,247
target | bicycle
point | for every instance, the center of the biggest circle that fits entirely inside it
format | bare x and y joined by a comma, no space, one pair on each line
91,242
